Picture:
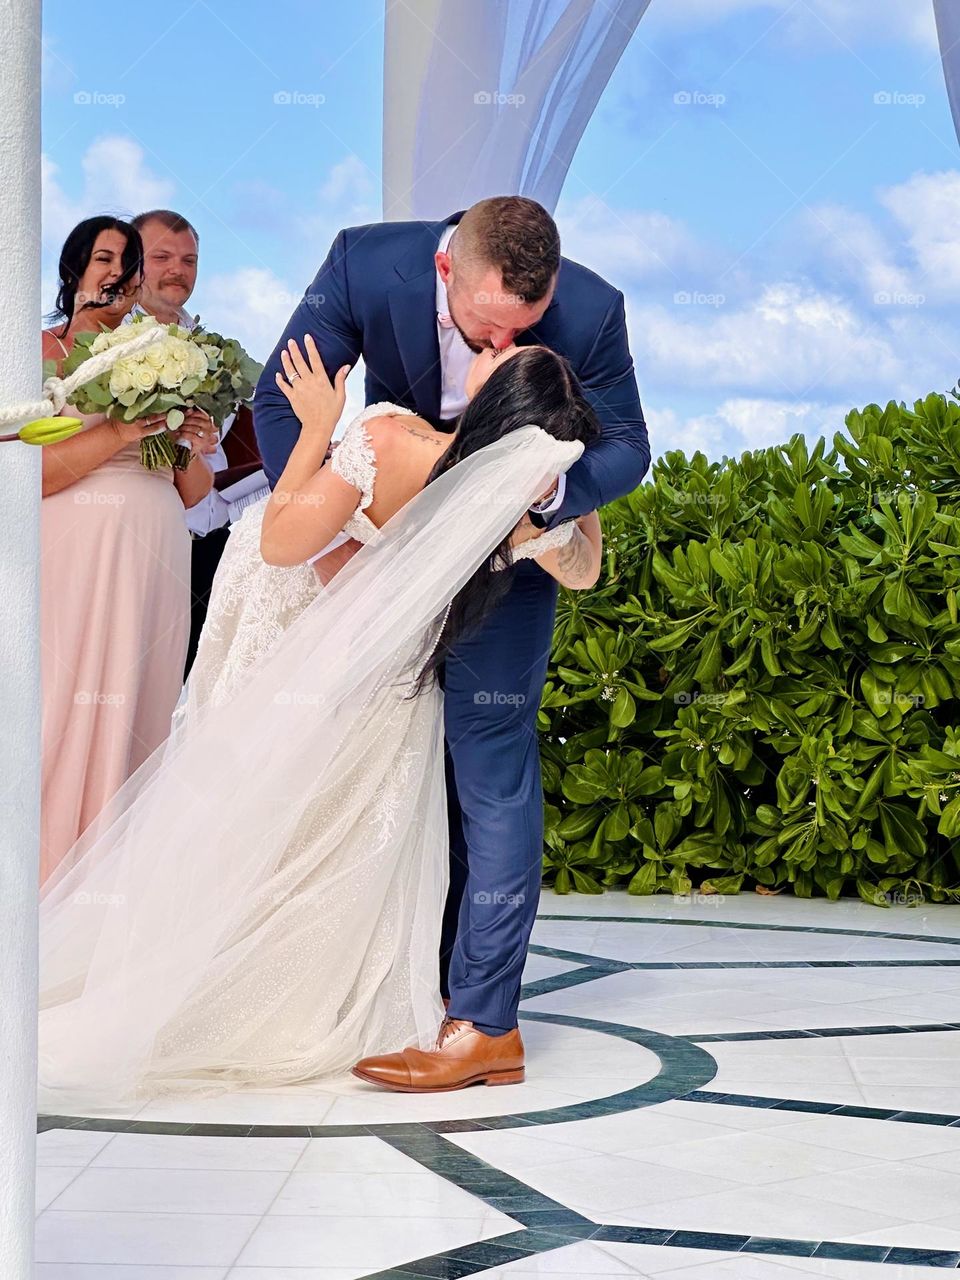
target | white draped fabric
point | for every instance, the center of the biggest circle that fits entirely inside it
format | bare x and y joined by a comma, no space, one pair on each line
948,33
487,98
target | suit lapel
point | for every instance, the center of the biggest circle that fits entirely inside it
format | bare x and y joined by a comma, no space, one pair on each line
413,314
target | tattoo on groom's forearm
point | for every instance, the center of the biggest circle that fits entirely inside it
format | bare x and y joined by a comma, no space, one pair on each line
573,558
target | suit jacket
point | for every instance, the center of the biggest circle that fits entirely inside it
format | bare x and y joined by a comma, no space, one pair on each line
375,296
240,447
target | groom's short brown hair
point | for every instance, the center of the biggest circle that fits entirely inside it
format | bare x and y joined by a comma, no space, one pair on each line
518,237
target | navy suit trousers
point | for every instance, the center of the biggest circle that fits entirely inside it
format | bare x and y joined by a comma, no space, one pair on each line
493,683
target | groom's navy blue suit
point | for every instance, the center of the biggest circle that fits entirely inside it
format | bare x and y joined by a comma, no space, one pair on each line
375,296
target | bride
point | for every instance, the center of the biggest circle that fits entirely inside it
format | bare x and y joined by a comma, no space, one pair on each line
260,904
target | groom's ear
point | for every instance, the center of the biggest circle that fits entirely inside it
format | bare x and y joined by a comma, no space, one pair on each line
444,264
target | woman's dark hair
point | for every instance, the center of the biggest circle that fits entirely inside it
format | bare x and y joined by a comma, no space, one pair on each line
75,258
534,386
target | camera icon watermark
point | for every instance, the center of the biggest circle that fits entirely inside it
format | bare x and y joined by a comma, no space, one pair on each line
688,697
484,296
697,98
88,498
697,899
96,98
903,898
97,698
694,298
493,98
84,898
496,898
297,98
898,298
895,98
496,698
298,698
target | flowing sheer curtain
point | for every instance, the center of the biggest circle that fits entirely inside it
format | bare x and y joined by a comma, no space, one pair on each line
485,97
948,33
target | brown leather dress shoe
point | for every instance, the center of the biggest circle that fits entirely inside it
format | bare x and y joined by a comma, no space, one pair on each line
462,1056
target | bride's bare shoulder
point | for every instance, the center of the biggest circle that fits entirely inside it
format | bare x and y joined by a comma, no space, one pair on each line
392,432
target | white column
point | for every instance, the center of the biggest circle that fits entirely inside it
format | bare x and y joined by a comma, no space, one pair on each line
19,633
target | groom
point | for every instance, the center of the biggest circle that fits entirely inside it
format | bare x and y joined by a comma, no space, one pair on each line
417,301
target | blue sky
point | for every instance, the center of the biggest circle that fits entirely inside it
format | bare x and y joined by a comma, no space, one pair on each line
788,245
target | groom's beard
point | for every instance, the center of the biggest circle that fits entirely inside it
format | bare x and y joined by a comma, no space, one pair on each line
475,346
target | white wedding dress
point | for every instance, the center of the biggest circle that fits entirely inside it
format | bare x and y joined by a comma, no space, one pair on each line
260,905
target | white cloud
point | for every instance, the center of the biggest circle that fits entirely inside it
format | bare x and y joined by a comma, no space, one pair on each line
742,423
254,305
848,247
821,21
926,208
631,245
349,197
115,179
351,185
788,338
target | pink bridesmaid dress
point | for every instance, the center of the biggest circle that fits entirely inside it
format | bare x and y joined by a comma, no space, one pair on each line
115,622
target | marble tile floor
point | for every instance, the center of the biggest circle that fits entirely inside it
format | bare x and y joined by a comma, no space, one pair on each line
745,1088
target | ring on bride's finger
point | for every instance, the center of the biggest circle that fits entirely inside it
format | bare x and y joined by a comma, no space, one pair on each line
293,375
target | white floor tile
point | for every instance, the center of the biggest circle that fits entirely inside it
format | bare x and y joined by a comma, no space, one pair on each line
584,1260
763,1211
180,1191
51,1181
367,1243
707,1264
100,1271
355,1155
70,1146
177,1240
409,1195
177,1151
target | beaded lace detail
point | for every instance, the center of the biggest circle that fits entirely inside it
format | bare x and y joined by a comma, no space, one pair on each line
549,541
355,460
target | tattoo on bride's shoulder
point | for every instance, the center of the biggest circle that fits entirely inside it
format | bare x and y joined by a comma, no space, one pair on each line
421,434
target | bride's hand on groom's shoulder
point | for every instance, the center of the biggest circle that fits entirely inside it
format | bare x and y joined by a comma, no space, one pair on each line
315,400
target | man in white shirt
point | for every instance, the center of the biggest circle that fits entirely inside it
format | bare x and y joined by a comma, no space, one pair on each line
171,250
456,358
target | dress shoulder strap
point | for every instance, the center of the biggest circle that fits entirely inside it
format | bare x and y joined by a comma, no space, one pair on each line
58,341
354,458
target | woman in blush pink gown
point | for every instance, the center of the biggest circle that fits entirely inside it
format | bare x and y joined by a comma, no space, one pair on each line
115,569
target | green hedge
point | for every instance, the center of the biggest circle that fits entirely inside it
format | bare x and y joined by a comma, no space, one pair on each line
763,689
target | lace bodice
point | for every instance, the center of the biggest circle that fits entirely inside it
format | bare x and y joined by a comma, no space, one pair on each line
354,459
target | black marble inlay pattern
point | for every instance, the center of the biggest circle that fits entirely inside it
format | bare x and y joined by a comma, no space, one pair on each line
685,1068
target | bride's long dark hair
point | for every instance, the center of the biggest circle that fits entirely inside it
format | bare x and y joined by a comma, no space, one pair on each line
534,386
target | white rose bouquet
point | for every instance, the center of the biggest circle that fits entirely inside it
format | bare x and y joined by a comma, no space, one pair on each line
185,369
